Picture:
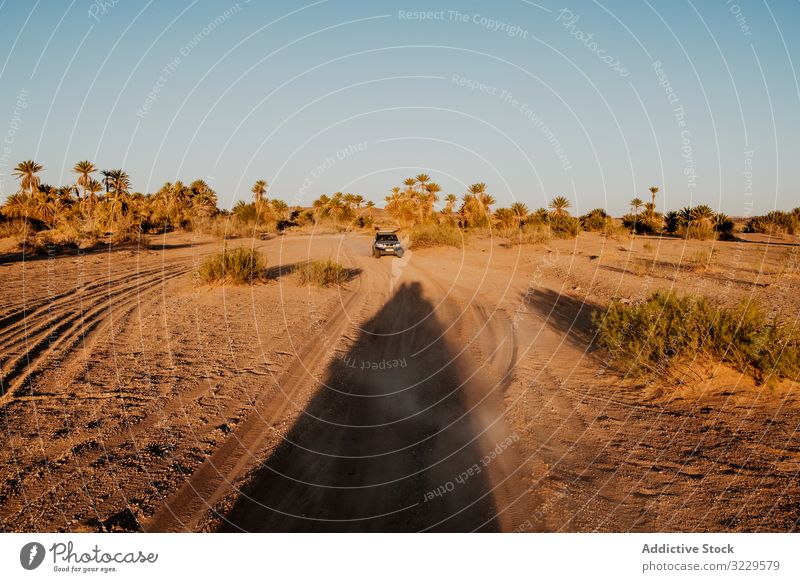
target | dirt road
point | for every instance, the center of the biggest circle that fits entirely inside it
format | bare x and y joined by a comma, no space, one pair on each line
402,430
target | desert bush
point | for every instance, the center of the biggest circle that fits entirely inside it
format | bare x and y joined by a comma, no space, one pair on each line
529,234
644,223
233,266
564,226
17,227
232,227
537,217
127,234
436,235
65,237
33,244
596,220
775,222
723,224
327,273
673,222
666,330
698,232
56,240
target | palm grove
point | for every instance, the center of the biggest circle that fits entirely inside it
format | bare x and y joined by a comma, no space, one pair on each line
103,203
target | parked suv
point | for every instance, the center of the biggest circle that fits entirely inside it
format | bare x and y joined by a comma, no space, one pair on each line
386,243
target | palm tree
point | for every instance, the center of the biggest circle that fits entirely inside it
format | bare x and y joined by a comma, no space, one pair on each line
320,206
19,205
428,199
559,205
422,180
653,192
483,199
259,190
337,207
505,218
118,181
393,201
469,211
702,216
450,203
204,203
636,204
90,191
723,223
520,211
84,169
280,208
47,203
200,187
26,173
106,179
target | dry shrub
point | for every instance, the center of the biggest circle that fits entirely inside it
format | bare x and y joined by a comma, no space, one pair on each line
700,232
232,227
33,244
327,273
699,261
529,234
240,266
436,235
16,227
666,331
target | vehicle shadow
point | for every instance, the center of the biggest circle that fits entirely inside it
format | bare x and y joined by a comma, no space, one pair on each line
571,316
387,444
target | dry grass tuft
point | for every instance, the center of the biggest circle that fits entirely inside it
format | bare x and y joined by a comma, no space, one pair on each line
234,267
327,273
436,235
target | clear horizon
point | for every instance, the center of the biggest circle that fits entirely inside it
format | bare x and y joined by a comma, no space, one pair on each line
595,101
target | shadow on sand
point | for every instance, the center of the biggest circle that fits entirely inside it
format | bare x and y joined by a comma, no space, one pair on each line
387,428
571,316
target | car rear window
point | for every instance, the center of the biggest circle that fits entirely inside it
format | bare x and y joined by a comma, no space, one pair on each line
387,237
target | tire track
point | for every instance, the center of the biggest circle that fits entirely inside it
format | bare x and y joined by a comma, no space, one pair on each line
69,328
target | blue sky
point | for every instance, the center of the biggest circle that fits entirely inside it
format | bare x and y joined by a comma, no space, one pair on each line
535,99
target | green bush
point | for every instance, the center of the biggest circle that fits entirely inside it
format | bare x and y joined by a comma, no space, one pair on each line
240,266
665,329
775,222
699,232
723,224
644,223
564,226
436,235
327,273
596,220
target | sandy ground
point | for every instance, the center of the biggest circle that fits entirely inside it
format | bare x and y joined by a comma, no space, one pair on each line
446,391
